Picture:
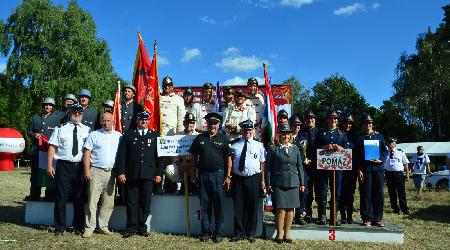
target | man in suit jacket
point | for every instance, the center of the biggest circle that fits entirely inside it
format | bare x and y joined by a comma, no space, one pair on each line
139,168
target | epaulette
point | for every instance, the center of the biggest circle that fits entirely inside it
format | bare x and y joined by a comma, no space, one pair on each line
234,141
399,149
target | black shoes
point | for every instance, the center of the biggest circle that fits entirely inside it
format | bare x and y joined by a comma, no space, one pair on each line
251,239
32,198
144,234
218,239
322,220
278,241
128,234
407,212
204,238
58,233
237,238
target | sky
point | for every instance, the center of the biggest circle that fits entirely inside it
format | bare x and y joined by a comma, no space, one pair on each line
227,41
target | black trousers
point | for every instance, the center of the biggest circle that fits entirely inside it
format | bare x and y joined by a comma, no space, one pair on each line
372,195
395,181
306,197
246,193
35,190
139,196
348,188
69,181
212,196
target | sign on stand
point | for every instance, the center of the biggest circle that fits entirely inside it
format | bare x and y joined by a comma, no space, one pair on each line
176,145
334,160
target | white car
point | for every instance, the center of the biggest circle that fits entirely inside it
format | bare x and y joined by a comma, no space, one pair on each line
438,180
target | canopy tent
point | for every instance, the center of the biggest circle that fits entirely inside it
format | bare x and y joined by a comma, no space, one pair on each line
430,148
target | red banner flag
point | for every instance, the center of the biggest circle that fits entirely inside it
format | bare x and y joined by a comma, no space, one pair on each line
151,101
116,111
141,73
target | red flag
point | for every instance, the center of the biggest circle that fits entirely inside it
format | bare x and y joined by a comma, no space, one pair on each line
151,101
141,73
270,115
116,111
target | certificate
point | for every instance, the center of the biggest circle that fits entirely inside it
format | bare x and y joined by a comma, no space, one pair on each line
371,150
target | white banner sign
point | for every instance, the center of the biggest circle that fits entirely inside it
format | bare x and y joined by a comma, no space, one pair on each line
334,160
176,145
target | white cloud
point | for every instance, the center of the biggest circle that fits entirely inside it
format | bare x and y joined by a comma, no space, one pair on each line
376,6
207,19
266,4
190,54
241,81
2,67
163,60
235,62
230,21
295,3
349,10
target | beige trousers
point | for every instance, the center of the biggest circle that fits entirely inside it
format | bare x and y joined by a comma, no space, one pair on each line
101,186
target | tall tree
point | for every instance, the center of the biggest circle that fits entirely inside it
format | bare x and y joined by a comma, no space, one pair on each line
300,94
422,85
338,93
51,51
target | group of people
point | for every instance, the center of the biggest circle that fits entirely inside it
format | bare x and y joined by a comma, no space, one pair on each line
87,159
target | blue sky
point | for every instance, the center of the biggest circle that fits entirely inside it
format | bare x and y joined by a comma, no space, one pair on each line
227,41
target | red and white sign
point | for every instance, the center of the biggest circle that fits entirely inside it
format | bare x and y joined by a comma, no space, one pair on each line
334,160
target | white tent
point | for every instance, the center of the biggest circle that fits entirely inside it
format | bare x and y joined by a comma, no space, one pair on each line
430,148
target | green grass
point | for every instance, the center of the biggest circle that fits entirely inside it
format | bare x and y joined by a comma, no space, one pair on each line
428,227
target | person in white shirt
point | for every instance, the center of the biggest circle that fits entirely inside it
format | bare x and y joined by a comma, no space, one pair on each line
99,156
257,102
207,105
237,114
172,109
248,179
65,146
421,167
397,171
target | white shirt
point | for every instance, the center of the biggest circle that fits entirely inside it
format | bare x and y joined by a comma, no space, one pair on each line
62,138
397,162
172,114
253,158
420,163
104,147
200,110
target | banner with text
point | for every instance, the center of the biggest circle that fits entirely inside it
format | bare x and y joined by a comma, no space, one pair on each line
176,145
334,160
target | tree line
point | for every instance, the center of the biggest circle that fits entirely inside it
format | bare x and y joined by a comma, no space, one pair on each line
42,43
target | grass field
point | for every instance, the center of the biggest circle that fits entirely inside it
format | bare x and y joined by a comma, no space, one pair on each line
428,227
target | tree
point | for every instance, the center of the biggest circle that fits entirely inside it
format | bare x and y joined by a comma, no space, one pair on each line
300,94
51,52
336,92
422,85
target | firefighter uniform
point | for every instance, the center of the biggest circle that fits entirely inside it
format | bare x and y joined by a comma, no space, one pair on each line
172,114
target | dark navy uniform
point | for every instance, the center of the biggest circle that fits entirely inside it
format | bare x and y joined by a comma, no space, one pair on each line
43,125
91,118
306,198
372,196
327,137
128,115
348,186
212,155
137,159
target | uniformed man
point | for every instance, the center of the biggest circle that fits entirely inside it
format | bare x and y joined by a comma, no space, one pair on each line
348,177
228,99
65,145
212,154
296,123
188,97
206,106
139,167
108,106
332,139
248,180
91,116
282,117
129,108
237,114
370,173
310,134
396,172
172,109
257,101
40,129
69,100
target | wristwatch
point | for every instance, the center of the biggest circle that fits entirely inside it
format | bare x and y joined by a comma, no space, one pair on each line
229,177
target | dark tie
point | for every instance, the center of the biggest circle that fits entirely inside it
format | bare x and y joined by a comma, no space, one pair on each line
391,154
75,142
142,133
242,159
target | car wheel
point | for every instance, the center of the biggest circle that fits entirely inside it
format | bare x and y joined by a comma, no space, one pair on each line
442,185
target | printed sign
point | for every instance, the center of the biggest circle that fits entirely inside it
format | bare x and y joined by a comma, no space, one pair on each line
334,160
176,145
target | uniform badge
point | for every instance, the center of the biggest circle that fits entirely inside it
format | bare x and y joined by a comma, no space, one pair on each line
255,156
201,143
